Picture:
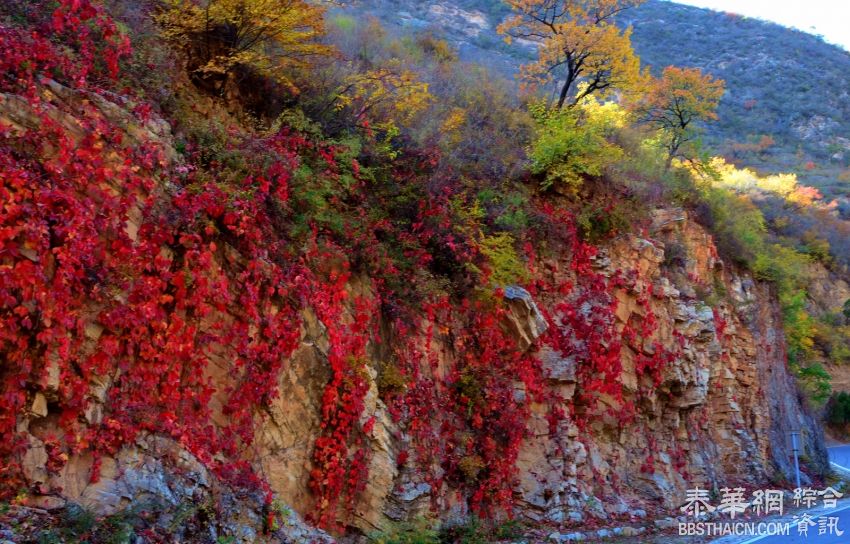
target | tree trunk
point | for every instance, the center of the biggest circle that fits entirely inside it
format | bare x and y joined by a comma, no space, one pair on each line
672,150
565,90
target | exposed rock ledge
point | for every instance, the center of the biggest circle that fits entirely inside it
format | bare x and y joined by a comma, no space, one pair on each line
719,416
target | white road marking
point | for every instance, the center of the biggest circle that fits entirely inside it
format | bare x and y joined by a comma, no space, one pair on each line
795,524
833,463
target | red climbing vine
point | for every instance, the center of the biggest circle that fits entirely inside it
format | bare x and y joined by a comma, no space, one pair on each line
169,293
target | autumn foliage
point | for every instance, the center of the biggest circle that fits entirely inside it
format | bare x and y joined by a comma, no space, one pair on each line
87,298
678,102
150,290
112,277
270,37
578,43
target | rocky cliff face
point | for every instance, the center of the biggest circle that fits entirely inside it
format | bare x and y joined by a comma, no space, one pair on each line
720,413
714,411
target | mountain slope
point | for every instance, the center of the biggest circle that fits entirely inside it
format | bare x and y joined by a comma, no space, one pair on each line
232,298
786,107
781,83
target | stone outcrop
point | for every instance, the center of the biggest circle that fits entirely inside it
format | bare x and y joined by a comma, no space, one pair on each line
158,476
526,321
719,415
67,106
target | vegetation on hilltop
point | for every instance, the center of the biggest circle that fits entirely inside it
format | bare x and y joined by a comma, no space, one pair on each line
679,102
787,109
578,44
776,116
270,38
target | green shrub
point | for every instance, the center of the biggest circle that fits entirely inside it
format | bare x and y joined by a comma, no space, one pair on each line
77,524
815,381
738,225
477,531
595,223
506,267
508,530
784,266
391,380
838,410
473,531
570,147
513,214
419,531
832,337
799,327
675,254
817,247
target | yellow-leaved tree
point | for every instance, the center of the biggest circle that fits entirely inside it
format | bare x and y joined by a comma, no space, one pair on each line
577,42
385,94
677,103
270,37
383,100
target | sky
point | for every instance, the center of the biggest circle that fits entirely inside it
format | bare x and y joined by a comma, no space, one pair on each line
828,18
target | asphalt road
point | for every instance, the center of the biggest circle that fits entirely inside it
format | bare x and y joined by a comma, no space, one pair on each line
839,456
843,526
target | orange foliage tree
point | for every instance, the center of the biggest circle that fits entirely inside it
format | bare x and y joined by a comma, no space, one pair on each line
578,42
677,101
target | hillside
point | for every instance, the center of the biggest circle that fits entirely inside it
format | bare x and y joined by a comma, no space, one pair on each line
269,274
783,84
